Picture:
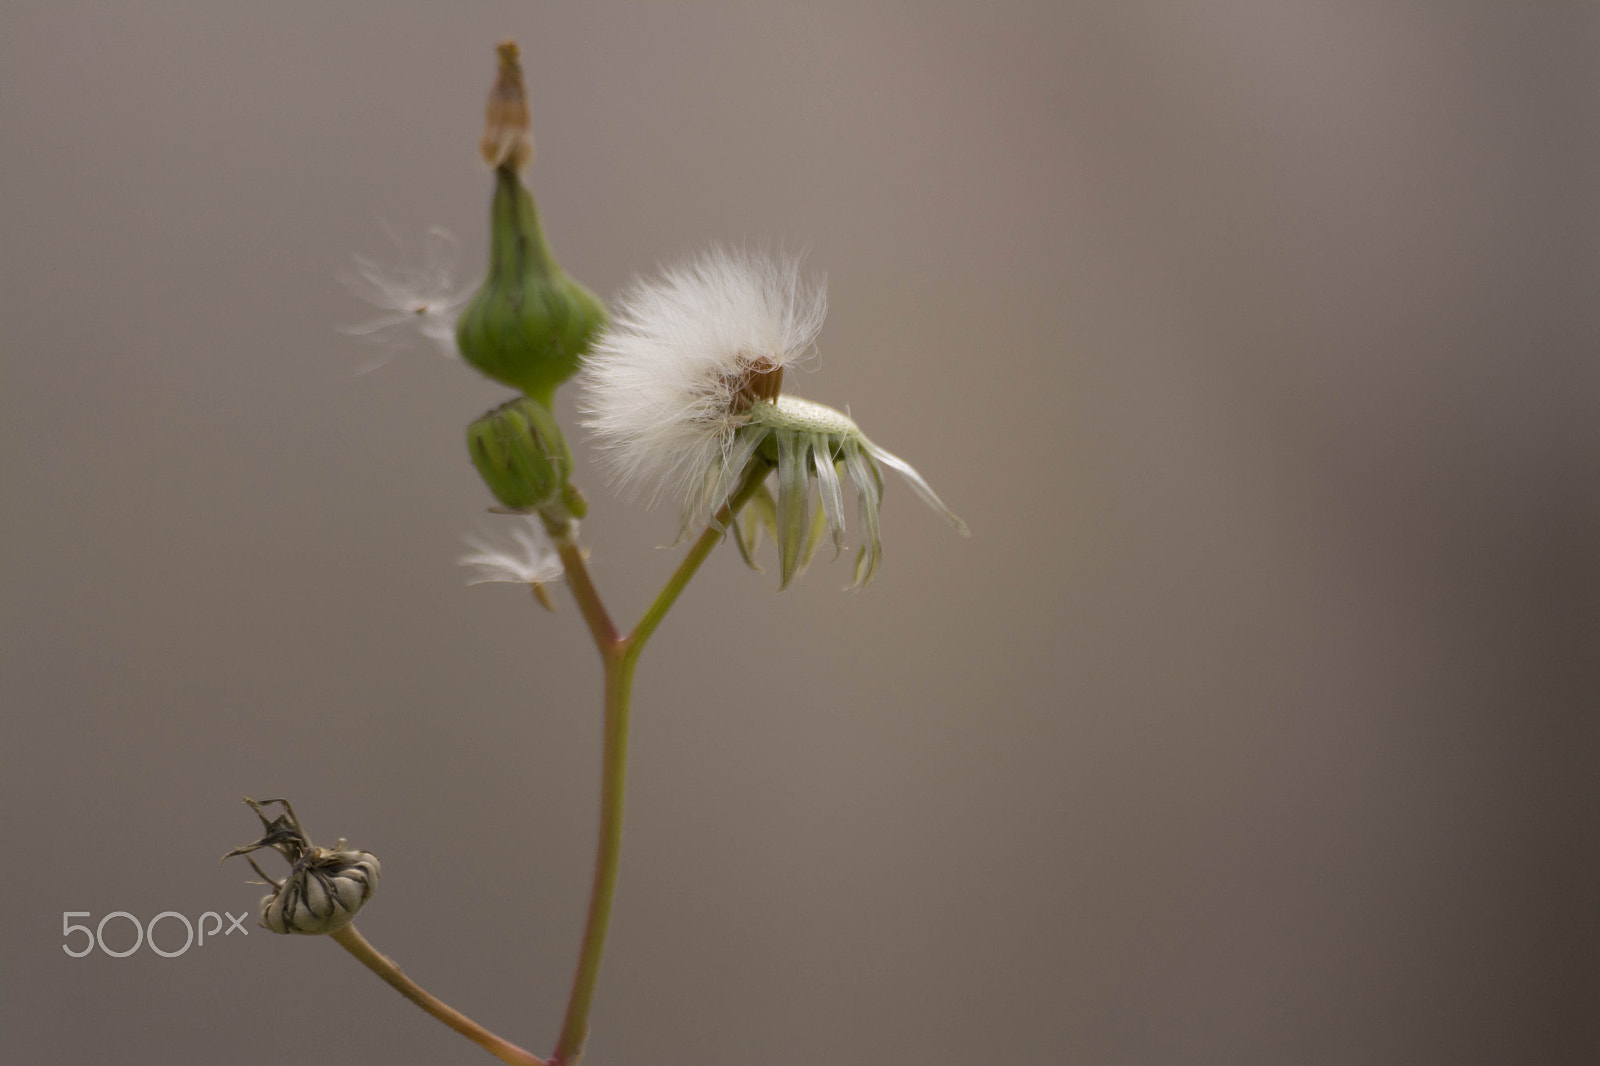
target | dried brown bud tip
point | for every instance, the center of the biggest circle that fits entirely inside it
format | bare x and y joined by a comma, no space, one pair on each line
507,140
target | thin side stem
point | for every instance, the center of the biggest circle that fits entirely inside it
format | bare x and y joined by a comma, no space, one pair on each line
386,968
576,569
697,554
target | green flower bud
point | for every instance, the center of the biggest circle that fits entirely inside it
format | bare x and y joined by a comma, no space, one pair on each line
529,324
521,455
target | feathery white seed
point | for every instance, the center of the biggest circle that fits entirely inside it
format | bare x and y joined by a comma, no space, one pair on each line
421,296
532,562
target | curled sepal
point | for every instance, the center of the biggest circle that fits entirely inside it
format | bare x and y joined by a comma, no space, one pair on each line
819,526
869,497
759,514
325,886
809,444
794,505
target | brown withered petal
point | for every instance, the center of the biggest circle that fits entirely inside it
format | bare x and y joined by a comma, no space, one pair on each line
507,137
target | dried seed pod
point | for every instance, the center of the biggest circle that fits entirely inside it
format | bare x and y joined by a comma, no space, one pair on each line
325,887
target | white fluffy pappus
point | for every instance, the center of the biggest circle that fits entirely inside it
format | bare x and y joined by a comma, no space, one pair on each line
532,560
662,385
414,296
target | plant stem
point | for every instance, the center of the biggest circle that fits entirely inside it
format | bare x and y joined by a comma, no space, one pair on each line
696,555
386,968
576,571
613,784
620,656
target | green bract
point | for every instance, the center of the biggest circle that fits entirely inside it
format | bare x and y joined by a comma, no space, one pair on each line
529,323
807,443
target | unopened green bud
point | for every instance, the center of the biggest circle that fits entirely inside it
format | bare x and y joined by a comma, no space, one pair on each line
529,324
521,455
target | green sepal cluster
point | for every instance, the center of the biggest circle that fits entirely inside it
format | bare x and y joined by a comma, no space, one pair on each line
529,323
523,457
796,528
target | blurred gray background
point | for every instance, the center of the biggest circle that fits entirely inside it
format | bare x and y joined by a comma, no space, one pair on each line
1256,723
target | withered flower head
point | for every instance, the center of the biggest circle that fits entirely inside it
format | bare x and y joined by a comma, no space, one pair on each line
684,393
325,887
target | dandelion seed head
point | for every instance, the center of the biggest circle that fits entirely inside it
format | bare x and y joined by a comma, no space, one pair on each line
683,396
686,356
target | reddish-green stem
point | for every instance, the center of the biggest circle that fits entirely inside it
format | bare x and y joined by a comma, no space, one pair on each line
386,968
